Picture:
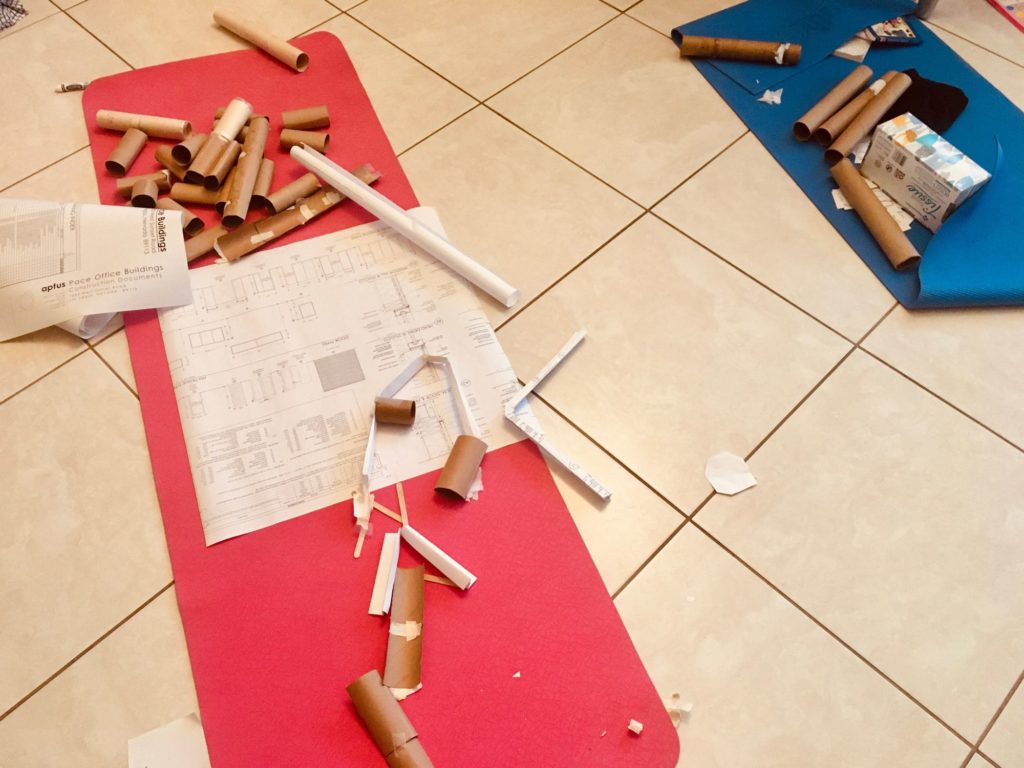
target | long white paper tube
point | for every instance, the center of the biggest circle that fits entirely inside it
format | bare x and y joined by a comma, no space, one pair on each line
399,220
437,557
234,117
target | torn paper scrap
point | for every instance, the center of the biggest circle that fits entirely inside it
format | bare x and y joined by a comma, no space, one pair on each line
438,558
678,710
405,634
860,149
390,729
636,727
179,744
771,97
729,474
384,582
900,216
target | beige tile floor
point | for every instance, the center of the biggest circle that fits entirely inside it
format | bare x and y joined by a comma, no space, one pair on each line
863,606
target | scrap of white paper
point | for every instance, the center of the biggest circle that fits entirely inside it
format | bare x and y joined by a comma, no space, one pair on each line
60,261
179,744
860,149
729,474
854,49
771,97
900,216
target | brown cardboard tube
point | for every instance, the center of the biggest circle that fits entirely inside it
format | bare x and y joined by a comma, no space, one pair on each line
831,102
899,250
460,469
124,154
184,151
163,156
405,636
248,169
293,138
389,411
409,755
867,118
144,193
281,50
151,125
742,50
382,715
223,166
190,223
224,192
194,194
307,118
206,158
124,186
827,132
302,187
261,188
203,243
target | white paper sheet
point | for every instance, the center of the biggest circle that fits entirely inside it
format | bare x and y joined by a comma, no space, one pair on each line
728,473
60,261
276,365
179,744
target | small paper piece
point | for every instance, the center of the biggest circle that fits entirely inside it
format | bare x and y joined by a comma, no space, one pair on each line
438,558
729,474
517,675
854,49
678,710
860,149
179,744
384,582
636,727
771,97
901,217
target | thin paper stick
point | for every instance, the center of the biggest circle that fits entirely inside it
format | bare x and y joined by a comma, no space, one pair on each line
264,180
401,503
384,581
247,170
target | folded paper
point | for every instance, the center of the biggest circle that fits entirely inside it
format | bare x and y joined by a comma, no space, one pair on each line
728,474
460,576
179,744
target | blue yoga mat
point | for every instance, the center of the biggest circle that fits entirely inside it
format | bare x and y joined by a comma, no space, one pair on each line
977,256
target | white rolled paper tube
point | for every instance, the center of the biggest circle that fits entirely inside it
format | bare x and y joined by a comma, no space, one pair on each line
235,116
437,557
399,220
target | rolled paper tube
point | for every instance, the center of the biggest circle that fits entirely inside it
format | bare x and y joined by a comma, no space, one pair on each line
741,50
304,186
380,712
247,170
831,102
409,755
193,193
827,132
293,138
460,469
190,223
184,152
389,411
264,179
223,166
124,154
867,118
307,118
899,250
235,115
224,193
151,125
281,50
206,158
203,243
124,186
437,557
405,636
144,194
163,156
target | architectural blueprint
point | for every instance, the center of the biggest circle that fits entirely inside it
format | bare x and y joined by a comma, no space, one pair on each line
277,362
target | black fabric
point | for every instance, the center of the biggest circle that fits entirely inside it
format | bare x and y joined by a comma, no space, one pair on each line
935,104
11,12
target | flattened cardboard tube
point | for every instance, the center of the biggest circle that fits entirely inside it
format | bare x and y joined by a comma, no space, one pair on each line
281,50
190,223
405,635
164,157
867,118
307,118
124,154
742,50
383,717
463,462
206,158
304,186
202,244
390,411
827,132
151,125
831,102
183,152
434,555
261,188
247,170
898,249
124,186
223,166
293,138
144,193
193,193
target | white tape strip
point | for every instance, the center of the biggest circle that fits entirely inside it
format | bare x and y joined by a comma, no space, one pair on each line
410,630
877,86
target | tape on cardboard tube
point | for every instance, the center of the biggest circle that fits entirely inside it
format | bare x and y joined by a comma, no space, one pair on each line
124,154
248,237
261,187
383,717
203,243
302,187
741,50
402,669
151,125
223,166
195,194
897,248
124,186
831,102
247,170
190,223
206,158
867,118
392,411
280,49
307,118
184,151
409,755
144,193
829,130
223,194
291,137
460,469
163,156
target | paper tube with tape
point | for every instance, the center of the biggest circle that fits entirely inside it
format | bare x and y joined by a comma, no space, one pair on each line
867,118
281,50
248,169
151,125
437,557
125,185
203,243
307,118
831,102
391,411
405,634
304,186
741,50
829,130
190,223
899,250
124,154
386,723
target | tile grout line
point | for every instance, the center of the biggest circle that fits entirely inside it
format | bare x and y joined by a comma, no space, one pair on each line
94,37
1002,707
437,131
20,27
76,355
40,170
976,45
84,651
111,368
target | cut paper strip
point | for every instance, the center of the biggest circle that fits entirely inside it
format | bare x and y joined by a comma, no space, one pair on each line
179,744
728,474
438,558
384,582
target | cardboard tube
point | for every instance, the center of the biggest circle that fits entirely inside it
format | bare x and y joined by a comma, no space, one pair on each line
741,50
183,152
193,193
867,118
390,411
206,158
307,118
304,186
223,166
203,243
224,193
236,114
248,169
293,138
190,223
151,125
163,156
405,636
409,755
899,250
377,707
282,51
261,188
144,193
249,237
124,154
124,186
827,132
831,102
460,470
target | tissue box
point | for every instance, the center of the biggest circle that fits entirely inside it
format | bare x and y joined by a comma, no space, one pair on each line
925,174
